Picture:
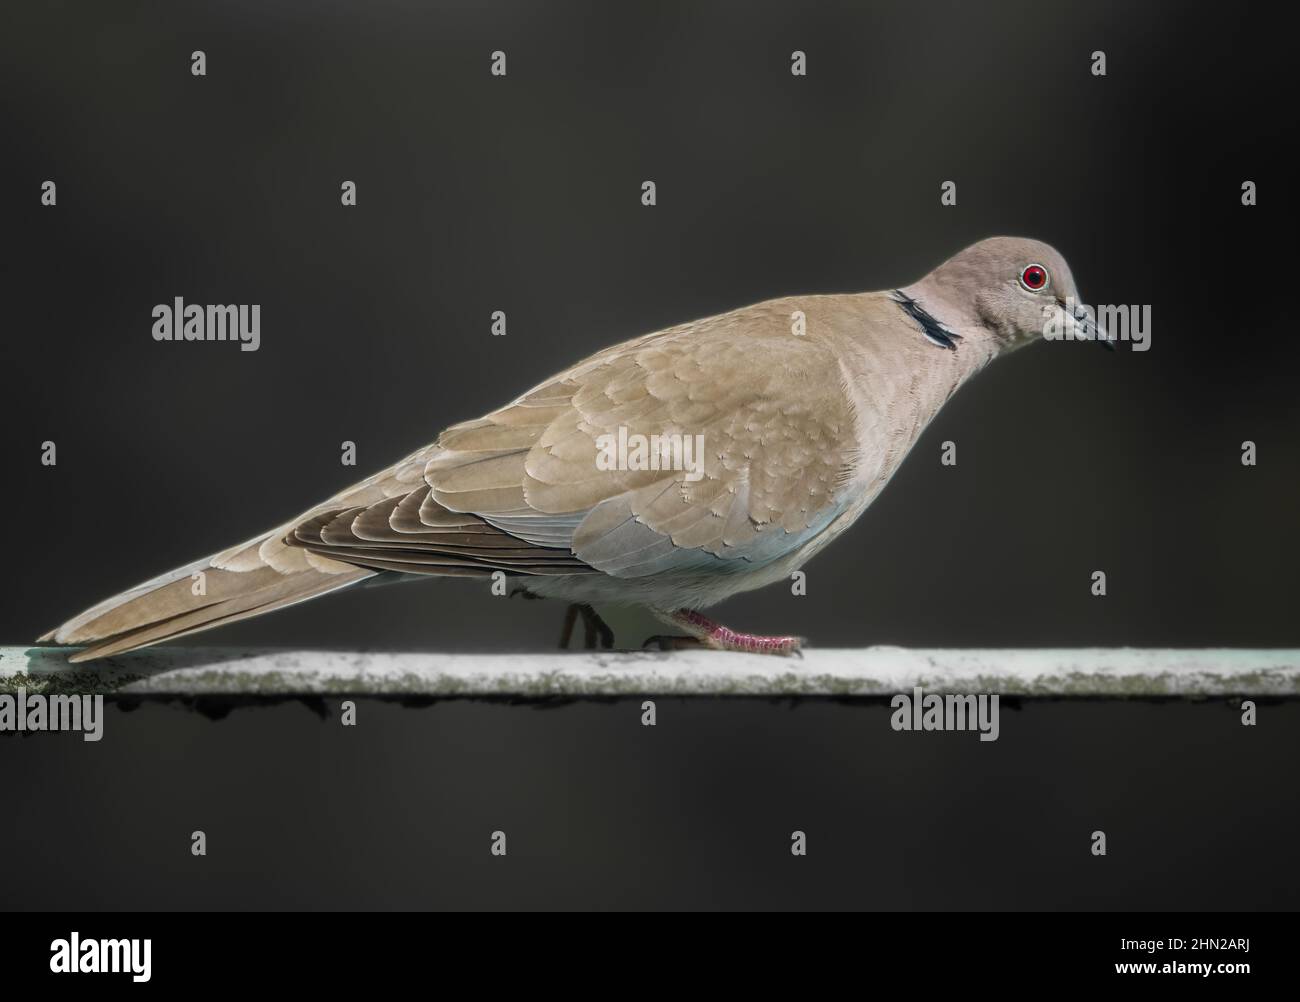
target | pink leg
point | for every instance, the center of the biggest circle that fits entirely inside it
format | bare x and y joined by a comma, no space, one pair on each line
722,638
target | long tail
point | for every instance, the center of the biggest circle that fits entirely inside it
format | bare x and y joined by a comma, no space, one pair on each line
247,580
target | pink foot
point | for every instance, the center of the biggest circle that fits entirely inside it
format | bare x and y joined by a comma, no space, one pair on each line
723,638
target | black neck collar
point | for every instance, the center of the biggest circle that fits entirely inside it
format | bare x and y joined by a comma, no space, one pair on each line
936,332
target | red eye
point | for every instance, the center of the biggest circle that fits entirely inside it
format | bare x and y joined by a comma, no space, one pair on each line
1034,278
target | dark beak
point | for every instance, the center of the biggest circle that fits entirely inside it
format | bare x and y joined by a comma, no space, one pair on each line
1093,329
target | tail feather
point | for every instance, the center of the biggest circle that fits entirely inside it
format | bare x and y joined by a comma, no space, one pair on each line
176,604
254,604
67,632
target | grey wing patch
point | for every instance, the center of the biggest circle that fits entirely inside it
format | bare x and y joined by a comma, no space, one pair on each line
616,541
538,528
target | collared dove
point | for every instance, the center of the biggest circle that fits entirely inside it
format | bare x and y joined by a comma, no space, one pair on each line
804,407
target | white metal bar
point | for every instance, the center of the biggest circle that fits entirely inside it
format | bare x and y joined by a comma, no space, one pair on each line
871,671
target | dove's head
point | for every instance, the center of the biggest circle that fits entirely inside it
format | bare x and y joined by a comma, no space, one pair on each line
1009,288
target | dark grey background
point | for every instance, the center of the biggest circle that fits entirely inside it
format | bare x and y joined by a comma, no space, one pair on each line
600,812
522,194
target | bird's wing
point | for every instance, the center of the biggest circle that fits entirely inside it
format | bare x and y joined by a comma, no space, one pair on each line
523,489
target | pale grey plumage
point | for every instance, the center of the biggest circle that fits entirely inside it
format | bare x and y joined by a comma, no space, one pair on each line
801,432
